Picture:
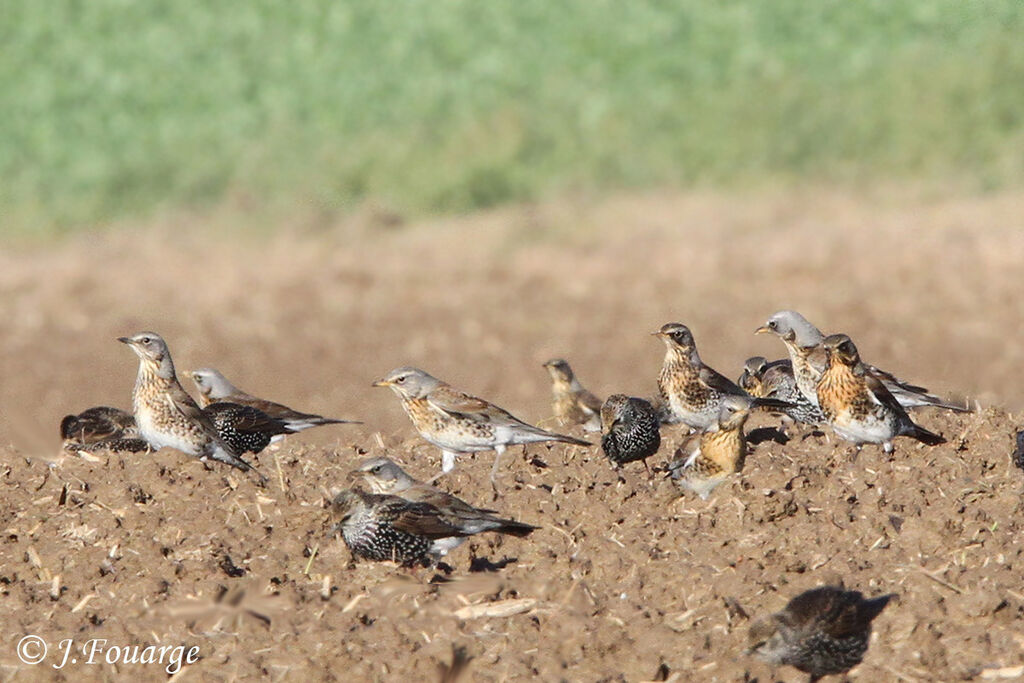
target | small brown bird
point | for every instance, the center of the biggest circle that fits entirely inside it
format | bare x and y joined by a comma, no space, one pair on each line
384,476
720,453
775,379
803,340
98,424
630,429
457,422
857,405
571,402
164,412
693,391
821,632
213,386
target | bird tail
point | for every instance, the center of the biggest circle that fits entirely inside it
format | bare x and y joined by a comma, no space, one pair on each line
571,439
514,528
869,609
924,436
224,453
299,424
772,403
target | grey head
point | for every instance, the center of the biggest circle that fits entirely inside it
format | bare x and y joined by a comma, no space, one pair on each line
409,382
383,475
152,351
792,327
212,384
733,411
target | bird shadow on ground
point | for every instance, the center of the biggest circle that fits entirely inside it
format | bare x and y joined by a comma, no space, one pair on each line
762,434
483,564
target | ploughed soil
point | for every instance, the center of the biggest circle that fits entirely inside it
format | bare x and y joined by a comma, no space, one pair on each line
625,579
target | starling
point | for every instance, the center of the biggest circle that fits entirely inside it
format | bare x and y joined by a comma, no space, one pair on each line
384,476
98,424
720,453
113,445
630,429
456,422
384,527
244,428
1018,453
803,340
164,412
775,379
821,632
856,403
571,402
213,386
693,391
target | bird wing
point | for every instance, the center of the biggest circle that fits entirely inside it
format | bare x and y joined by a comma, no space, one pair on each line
589,401
719,382
449,400
878,392
420,519
179,400
249,419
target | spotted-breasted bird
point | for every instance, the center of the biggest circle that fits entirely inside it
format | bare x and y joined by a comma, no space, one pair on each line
720,452
692,391
384,476
98,424
164,412
823,631
775,379
213,386
804,340
244,428
857,405
572,403
457,422
630,429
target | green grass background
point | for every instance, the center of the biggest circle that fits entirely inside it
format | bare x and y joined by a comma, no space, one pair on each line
114,110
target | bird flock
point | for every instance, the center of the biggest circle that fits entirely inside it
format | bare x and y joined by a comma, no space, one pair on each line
386,514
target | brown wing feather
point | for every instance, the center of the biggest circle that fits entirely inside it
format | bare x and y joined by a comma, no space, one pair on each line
720,382
421,519
185,405
590,401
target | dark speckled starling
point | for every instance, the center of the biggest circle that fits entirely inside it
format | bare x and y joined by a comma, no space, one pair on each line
384,476
98,424
775,379
821,632
804,342
244,428
383,527
214,387
630,429
856,403
571,402
1018,453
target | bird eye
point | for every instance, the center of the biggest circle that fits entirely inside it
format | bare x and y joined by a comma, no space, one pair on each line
376,469
772,324
145,340
400,379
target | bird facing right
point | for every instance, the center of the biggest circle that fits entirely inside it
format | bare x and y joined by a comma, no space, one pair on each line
821,632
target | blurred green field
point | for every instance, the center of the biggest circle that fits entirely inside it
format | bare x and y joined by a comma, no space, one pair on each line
121,109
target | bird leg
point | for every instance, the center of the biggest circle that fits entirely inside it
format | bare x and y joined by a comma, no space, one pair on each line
447,461
498,450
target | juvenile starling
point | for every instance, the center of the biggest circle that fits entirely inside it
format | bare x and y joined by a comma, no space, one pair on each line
803,340
630,429
775,379
720,453
571,402
213,386
384,476
98,424
821,632
244,428
856,403
693,391
457,422
165,414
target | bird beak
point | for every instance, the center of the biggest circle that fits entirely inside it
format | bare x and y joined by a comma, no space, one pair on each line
764,329
125,340
382,383
659,333
353,475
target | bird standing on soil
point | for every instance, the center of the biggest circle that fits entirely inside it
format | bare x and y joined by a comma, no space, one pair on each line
821,632
630,429
720,453
244,428
857,405
384,476
101,423
384,527
571,402
692,391
213,386
804,340
457,422
164,412
775,379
